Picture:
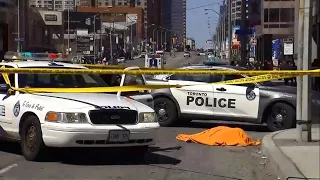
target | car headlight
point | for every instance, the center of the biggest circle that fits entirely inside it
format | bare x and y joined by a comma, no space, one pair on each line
64,117
148,117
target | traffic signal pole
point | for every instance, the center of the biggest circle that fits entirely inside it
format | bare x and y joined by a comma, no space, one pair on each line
229,32
243,36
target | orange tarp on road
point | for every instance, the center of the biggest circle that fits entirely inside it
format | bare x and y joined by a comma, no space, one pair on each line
220,136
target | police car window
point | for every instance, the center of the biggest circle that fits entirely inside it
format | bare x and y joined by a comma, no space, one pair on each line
60,80
131,80
180,77
11,78
199,78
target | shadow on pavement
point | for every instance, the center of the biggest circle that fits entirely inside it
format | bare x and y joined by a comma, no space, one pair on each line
212,124
96,156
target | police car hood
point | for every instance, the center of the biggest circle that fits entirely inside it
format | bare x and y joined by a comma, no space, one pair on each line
83,100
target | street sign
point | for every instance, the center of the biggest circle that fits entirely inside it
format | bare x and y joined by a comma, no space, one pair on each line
19,39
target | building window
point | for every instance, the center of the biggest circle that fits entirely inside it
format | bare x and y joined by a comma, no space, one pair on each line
266,15
119,4
274,15
287,15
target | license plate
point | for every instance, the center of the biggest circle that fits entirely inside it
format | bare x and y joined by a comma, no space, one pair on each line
119,136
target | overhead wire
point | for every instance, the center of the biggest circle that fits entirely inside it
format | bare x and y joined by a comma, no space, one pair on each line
202,6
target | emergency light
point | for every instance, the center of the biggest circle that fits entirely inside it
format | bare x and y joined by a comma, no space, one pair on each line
28,56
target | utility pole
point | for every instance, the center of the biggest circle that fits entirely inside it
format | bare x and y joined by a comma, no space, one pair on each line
229,31
131,39
18,27
110,41
68,31
161,31
94,39
157,39
304,83
243,36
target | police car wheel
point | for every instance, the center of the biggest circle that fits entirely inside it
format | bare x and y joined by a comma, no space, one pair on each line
32,145
282,116
166,111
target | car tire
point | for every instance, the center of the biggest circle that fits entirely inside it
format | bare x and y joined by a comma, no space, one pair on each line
166,112
281,116
32,145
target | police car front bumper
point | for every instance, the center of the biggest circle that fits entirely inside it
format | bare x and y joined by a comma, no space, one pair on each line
87,135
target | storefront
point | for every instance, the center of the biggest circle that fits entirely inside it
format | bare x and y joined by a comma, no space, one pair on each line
5,6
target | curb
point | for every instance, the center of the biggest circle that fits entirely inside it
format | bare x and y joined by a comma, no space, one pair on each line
282,166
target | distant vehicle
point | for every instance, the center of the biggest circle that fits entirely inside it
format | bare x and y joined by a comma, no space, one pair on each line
143,54
121,60
201,53
186,54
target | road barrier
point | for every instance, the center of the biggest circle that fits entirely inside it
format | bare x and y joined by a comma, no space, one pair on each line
266,76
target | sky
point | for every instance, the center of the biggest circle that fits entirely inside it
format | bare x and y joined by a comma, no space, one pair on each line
197,21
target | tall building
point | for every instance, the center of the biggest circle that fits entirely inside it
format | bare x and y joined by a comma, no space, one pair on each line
178,20
57,5
236,11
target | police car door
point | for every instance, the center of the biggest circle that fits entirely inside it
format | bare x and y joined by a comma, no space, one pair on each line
7,102
195,99
241,101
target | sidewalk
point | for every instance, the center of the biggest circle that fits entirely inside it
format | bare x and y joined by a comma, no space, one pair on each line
289,158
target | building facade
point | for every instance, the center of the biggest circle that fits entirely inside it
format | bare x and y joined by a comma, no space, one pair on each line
178,21
57,5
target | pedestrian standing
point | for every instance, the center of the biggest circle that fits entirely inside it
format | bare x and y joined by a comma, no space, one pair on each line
285,66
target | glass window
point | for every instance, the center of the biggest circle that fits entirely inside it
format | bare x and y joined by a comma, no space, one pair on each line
60,80
274,15
266,15
180,77
287,15
132,80
198,78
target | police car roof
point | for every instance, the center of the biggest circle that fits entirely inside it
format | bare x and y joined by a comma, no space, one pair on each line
40,64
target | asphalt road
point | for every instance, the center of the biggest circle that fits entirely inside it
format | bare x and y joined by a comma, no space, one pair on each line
168,160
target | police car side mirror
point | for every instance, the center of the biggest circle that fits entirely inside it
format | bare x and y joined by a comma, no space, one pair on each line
4,88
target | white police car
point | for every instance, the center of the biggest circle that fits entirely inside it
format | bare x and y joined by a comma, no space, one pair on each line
255,102
42,120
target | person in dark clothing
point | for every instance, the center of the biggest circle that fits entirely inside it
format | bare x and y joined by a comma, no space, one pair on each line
285,66
294,79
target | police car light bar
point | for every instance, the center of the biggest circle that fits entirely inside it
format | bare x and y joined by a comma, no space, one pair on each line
27,56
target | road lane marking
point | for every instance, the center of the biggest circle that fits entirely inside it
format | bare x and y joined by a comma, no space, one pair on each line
6,169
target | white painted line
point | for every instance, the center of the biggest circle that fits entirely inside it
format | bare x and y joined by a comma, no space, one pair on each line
6,169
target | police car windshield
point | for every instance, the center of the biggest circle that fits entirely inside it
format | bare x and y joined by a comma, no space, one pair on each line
60,81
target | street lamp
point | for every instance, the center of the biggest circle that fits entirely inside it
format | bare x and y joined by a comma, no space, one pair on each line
94,34
221,28
153,36
146,35
165,37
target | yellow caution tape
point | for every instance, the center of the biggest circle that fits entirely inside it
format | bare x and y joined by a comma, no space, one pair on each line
95,89
155,71
254,79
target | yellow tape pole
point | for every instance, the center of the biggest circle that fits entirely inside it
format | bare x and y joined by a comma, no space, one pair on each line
153,72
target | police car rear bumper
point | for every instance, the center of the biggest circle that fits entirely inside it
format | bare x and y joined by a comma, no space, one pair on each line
87,135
